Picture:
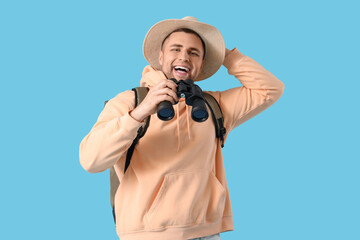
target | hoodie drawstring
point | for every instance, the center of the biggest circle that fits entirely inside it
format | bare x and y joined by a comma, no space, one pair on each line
178,124
188,121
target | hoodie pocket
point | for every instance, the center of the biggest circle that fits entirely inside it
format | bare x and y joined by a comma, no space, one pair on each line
187,198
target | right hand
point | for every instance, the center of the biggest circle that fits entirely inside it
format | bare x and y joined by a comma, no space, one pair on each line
165,90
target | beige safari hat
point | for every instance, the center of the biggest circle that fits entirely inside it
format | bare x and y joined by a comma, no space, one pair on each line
214,43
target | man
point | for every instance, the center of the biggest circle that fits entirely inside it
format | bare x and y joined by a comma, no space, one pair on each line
175,187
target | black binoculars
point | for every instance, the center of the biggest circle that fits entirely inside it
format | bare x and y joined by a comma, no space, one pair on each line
193,97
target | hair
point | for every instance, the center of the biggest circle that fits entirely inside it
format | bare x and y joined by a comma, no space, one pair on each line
185,30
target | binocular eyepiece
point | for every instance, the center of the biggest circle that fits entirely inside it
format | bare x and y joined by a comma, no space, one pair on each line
193,97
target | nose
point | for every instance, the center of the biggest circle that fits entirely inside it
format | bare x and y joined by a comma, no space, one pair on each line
184,56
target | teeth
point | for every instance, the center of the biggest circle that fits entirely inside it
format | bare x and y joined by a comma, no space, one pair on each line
181,68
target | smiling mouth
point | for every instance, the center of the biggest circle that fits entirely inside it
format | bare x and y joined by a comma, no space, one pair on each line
181,71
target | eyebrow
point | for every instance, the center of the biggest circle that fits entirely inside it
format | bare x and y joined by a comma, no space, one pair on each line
179,45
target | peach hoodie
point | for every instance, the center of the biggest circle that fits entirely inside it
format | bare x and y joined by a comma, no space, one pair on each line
175,187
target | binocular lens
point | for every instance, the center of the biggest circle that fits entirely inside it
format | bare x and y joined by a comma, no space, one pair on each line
199,112
200,115
165,111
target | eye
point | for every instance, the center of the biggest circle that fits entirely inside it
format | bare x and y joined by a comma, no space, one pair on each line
194,53
175,49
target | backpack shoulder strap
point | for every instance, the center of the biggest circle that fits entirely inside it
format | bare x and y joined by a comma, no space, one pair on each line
140,94
217,116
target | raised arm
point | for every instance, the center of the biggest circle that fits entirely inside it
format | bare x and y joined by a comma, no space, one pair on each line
260,89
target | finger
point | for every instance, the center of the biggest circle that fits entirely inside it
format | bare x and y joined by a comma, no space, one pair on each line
167,91
167,84
172,85
162,98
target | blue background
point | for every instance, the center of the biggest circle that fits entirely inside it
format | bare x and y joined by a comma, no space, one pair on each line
293,171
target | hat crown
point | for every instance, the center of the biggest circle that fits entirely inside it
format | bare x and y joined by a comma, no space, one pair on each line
189,18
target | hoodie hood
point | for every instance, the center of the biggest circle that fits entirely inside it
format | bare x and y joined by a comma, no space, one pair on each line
151,77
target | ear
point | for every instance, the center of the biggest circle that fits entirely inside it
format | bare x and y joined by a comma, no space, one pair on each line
161,58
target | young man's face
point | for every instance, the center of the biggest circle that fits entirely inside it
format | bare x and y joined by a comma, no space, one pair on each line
181,56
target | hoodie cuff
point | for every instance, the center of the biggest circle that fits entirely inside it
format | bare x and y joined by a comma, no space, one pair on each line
134,118
131,124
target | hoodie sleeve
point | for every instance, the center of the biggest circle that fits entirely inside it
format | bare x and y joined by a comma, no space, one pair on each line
111,136
260,90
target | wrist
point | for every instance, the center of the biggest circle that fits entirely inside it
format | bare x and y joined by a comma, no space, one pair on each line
227,51
137,115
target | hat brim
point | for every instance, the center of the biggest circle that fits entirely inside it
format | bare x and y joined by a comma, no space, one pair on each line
214,43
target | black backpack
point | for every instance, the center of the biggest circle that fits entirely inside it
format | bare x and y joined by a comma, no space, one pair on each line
140,94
